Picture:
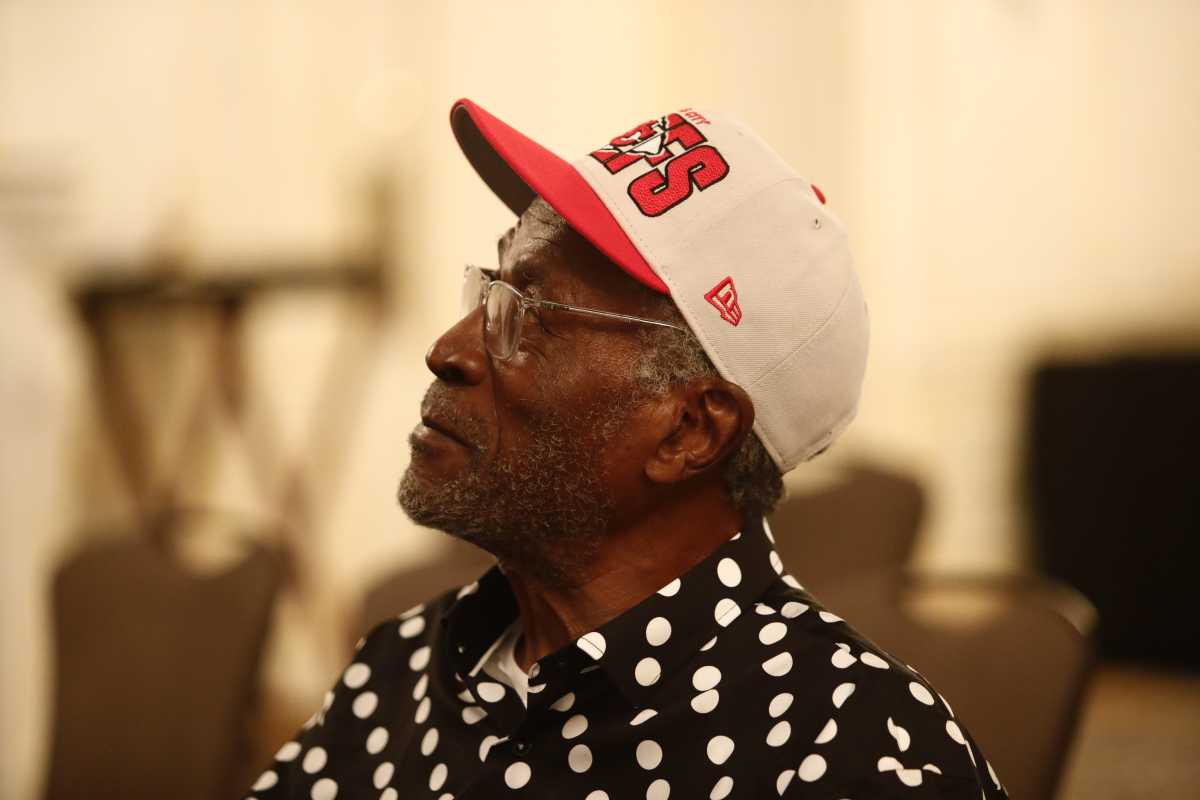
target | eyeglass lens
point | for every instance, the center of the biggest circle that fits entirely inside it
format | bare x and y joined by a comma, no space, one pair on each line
502,321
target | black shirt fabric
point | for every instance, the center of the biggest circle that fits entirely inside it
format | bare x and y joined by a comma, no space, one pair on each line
731,681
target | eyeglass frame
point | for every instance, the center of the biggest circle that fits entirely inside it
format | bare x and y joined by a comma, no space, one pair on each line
525,302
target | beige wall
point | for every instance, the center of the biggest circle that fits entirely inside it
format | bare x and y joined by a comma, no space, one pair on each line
1018,177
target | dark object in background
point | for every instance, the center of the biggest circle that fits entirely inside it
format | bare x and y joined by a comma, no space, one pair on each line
1114,491
867,522
156,668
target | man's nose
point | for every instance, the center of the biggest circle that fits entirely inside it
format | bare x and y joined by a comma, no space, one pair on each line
458,355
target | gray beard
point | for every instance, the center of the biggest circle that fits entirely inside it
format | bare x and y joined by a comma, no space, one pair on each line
543,510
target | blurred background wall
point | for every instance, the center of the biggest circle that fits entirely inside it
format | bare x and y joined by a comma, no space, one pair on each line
1020,178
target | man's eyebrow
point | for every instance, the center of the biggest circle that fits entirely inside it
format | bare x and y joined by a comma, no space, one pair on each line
502,242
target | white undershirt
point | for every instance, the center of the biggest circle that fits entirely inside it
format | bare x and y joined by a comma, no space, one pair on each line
500,662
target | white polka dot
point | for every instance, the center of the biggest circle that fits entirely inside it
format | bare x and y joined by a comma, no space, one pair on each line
288,752
517,774
670,589
324,789
658,630
827,733
767,530
792,609
811,768
726,611
356,675
647,672
840,694
708,645
899,734
417,609
419,689
490,691
429,741
411,627
575,726
955,732
763,609
383,774
772,632
377,740
328,701
423,712
580,758
776,563
437,777
842,657
649,754
705,701
784,780
991,772
564,703
446,796
791,581
872,660
470,588
642,716
486,745
706,678
389,794
265,781
778,665
659,790
921,693
598,794
829,616
910,777
779,733
780,703
593,644
419,659
729,572
365,704
472,714
719,749
314,760
722,789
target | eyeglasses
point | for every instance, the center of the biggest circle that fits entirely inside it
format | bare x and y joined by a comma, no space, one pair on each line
504,309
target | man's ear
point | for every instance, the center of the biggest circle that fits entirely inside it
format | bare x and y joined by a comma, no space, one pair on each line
709,418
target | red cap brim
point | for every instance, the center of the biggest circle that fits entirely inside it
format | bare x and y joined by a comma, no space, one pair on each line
517,168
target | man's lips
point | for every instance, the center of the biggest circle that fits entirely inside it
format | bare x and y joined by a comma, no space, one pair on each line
435,425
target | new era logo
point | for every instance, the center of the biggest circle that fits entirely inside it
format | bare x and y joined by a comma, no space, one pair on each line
724,299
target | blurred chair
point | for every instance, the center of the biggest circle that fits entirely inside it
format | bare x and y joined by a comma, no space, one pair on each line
1011,654
867,521
459,563
156,668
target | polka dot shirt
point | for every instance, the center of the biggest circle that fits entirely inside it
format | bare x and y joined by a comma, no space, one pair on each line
729,682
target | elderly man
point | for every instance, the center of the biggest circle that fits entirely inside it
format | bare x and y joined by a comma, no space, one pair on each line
673,323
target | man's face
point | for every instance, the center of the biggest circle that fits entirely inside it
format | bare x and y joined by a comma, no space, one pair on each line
525,457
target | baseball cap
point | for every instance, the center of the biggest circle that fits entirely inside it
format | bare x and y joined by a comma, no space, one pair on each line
696,205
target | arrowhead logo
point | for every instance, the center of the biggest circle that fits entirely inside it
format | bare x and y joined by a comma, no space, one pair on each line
724,299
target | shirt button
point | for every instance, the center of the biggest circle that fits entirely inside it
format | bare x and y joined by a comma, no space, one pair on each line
522,747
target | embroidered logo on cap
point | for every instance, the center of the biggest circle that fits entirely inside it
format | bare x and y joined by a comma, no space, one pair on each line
724,298
690,162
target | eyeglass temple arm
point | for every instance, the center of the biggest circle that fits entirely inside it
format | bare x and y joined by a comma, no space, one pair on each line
608,314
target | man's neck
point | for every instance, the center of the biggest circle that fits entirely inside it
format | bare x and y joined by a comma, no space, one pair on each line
634,561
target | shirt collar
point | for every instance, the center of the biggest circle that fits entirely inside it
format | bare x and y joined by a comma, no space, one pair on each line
644,645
